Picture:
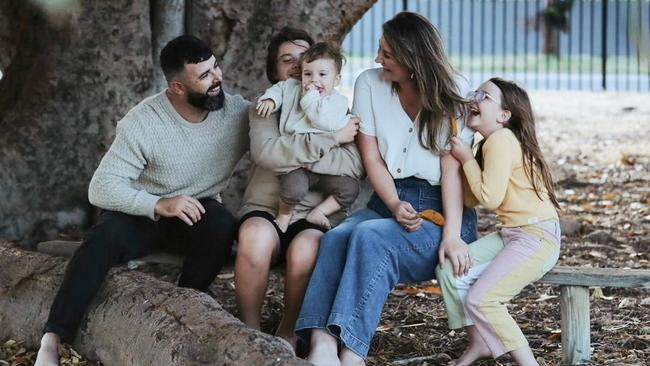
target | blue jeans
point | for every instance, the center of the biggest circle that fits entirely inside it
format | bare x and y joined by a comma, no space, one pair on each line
362,259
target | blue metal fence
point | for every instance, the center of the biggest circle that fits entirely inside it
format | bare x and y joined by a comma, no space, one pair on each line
593,45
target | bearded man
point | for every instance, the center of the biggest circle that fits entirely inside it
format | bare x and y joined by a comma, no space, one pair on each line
159,186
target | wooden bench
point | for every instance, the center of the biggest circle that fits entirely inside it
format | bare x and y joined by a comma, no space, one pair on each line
574,285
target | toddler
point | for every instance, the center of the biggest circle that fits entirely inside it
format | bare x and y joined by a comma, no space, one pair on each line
311,105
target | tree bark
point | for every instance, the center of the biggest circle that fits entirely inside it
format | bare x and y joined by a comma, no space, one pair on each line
6,38
167,22
71,74
239,31
74,74
134,320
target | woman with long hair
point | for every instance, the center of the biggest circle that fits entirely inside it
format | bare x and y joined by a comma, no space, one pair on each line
406,109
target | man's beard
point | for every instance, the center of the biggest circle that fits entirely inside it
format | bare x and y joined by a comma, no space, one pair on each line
205,101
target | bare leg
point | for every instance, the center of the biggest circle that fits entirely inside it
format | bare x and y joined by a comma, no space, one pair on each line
476,349
285,212
523,356
349,358
258,244
301,258
323,350
319,214
48,354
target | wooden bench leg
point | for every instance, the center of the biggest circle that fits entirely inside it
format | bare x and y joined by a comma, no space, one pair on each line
576,341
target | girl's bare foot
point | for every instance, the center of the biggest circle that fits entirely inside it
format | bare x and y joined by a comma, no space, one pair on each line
317,217
323,350
48,354
472,353
476,350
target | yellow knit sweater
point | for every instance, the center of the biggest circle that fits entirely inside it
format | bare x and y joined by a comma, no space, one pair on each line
503,186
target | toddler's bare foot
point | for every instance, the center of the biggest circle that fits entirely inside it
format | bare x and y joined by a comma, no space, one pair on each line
317,217
48,354
283,221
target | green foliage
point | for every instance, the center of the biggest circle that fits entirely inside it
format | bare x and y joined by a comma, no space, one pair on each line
556,14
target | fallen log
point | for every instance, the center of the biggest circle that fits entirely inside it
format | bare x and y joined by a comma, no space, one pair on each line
134,320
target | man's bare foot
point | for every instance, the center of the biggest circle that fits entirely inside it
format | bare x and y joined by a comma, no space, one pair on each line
317,217
323,350
349,358
283,221
473,353
48,354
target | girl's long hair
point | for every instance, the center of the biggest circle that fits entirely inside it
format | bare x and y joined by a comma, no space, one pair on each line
522,125
417,44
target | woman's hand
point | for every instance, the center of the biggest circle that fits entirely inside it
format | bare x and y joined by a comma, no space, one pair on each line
265,108
460,150
458,253
406,216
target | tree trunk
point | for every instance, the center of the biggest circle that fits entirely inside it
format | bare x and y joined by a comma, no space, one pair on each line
6,40
134,320
551,38
71,75
167,22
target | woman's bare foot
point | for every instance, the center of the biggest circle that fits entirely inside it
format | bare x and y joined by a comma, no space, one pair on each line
317,217
349,358
48,354
324,348
283,221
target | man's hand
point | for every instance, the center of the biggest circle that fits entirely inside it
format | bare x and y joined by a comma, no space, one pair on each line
184,207
265,108
347,133
458,253
406,216
460,150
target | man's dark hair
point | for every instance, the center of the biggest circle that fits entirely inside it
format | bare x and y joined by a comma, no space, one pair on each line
324,50
185,49
286,34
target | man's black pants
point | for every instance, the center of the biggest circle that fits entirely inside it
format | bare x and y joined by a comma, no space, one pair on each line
118,237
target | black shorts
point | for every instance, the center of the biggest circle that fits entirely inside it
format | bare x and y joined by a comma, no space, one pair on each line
287,236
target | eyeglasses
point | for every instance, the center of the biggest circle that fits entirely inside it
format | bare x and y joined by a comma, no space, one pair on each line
480,95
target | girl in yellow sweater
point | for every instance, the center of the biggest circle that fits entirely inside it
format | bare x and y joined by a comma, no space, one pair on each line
508,175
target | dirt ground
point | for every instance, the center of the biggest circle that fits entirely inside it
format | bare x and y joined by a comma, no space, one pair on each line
597,145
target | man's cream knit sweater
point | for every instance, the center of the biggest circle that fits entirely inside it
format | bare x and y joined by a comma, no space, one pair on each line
156,154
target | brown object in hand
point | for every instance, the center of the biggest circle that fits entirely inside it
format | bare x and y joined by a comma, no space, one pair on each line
433,216
454,128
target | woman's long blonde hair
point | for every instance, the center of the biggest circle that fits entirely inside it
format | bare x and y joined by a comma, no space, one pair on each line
417,45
